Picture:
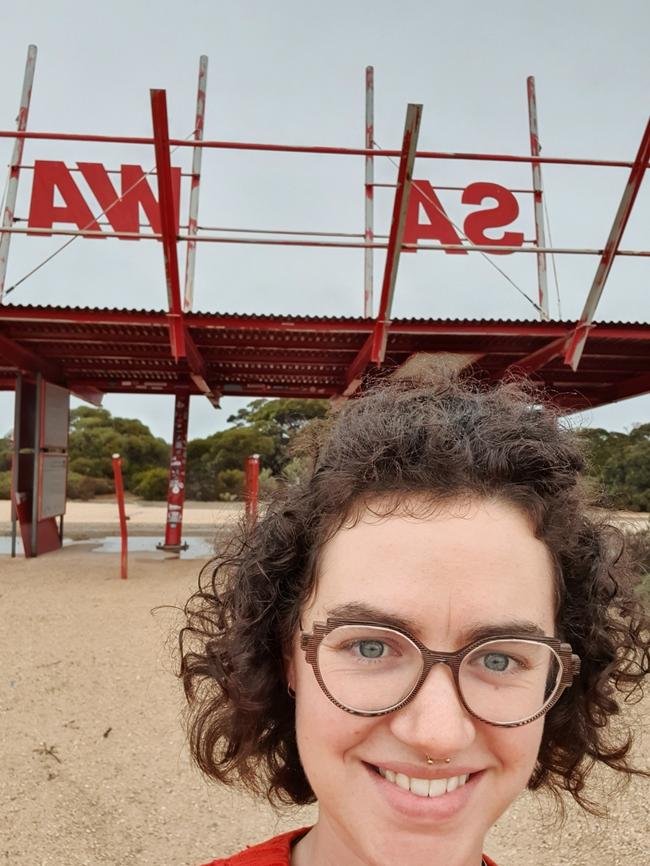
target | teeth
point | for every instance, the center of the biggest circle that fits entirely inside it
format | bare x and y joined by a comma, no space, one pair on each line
424,787
420,787
402,781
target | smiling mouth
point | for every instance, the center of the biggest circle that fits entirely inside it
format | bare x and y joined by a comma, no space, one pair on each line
423,787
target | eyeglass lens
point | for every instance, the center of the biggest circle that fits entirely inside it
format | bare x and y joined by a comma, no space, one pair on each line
370,669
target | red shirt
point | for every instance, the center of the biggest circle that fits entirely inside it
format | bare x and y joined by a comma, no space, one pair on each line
276,852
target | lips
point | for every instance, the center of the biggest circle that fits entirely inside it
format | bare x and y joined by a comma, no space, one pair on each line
417,798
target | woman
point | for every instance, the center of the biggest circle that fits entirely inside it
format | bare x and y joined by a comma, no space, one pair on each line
426,625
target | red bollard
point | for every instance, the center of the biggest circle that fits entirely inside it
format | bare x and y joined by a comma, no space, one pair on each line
252,483
119,493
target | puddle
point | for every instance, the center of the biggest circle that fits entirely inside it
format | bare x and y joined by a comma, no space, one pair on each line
198,548
5,544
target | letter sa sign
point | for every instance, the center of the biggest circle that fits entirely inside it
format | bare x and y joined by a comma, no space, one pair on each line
436,226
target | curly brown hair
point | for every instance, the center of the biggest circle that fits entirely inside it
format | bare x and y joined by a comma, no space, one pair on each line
401,440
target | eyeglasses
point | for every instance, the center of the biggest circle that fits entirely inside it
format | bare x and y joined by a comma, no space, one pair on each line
370,669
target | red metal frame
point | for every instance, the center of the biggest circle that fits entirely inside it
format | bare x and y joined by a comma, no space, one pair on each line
323,150
178,352
404,176
374,349
167,221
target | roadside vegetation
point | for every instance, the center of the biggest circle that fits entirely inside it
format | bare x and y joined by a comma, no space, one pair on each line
619,462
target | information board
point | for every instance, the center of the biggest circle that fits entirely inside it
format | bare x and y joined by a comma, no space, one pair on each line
51,501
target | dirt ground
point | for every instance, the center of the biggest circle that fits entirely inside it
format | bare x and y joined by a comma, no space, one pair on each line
94,765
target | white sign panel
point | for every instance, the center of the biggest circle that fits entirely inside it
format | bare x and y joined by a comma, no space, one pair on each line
56,411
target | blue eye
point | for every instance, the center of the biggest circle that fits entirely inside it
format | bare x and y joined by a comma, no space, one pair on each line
371,649
497,662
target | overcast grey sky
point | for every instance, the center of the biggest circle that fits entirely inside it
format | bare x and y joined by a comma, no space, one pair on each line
293,72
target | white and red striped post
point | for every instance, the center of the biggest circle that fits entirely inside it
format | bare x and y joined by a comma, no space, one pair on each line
369,188
540,238
190,261
176,485
14,165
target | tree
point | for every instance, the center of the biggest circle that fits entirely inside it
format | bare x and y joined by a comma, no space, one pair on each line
620,463
95,436
280,419
211,462
6,452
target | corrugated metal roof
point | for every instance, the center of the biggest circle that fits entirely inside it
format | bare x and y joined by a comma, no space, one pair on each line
128,350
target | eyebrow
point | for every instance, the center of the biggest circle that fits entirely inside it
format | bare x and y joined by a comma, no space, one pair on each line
470,633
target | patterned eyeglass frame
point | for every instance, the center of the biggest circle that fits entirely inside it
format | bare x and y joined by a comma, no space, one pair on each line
569,660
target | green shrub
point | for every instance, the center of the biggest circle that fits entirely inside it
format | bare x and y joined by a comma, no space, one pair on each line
5,485
152,484
230,484
638,546
86,487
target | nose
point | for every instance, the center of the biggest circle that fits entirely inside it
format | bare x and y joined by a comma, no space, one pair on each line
435,721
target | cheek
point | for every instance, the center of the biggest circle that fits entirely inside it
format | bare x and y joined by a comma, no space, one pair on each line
518,748
325,734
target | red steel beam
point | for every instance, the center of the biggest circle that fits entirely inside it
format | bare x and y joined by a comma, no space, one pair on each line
374,349
575,348
167,221
631,387
30,362
335,151
143,326
396,235
182,344
538,359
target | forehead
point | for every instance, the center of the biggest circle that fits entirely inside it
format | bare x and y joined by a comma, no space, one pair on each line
443,570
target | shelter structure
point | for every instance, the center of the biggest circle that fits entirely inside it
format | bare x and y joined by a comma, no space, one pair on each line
91,351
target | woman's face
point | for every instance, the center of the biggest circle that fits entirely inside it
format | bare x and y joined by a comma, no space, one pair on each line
445,575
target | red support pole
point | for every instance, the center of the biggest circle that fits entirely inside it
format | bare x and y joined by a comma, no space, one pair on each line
176,488
119,493
252,483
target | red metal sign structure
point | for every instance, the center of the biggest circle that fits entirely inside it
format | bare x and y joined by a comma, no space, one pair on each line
178,351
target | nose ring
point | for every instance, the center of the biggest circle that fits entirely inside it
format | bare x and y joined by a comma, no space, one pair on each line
431,760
